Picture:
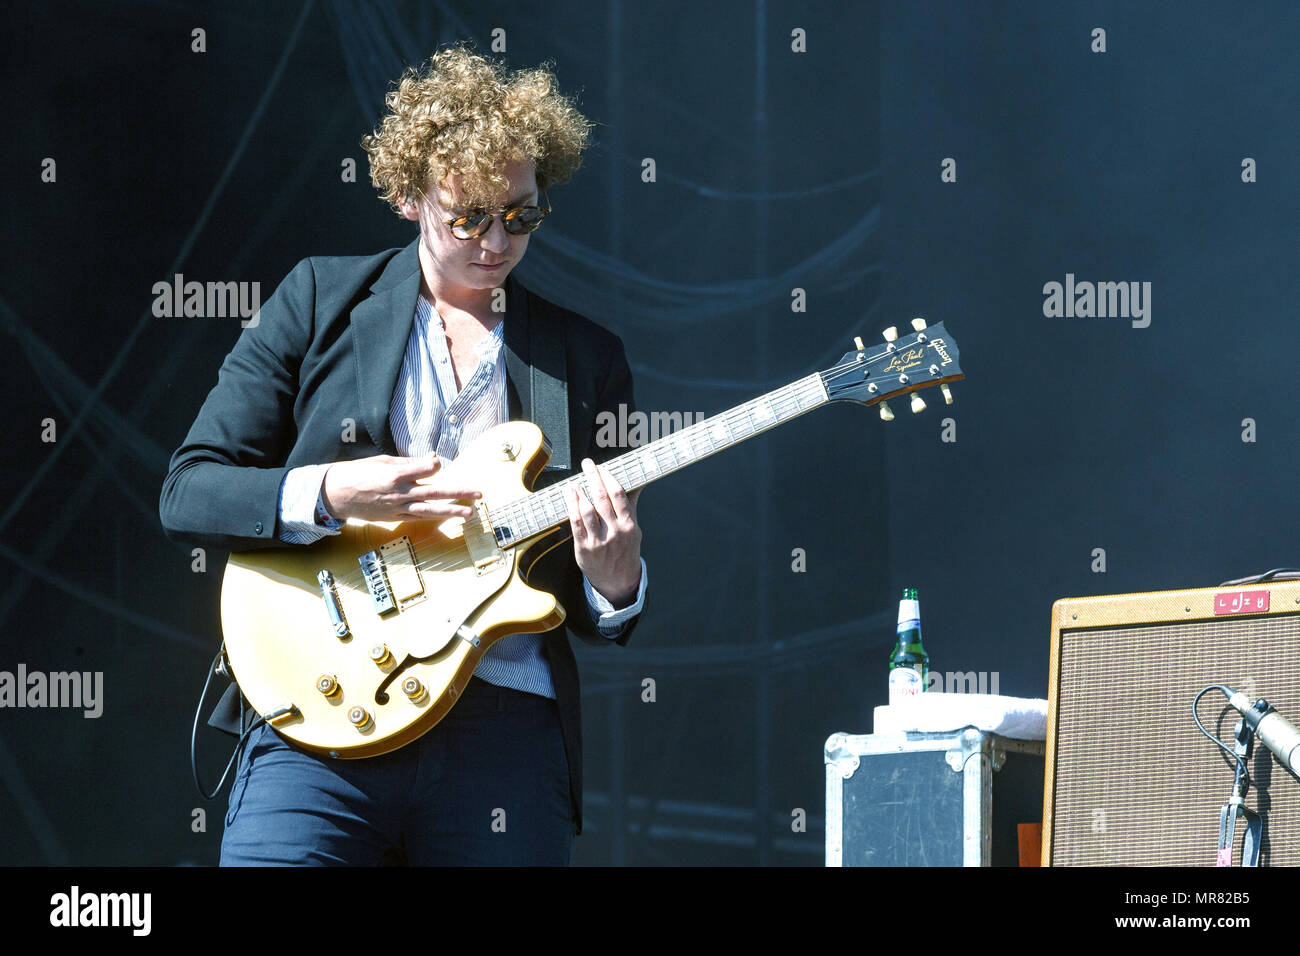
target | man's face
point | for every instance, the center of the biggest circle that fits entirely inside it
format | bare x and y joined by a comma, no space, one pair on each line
484,261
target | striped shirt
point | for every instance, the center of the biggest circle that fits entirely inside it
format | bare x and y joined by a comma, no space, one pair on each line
427,414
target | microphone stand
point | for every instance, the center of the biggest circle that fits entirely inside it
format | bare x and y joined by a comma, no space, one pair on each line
1236,807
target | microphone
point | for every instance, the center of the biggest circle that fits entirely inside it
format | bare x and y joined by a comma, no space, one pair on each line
1271,728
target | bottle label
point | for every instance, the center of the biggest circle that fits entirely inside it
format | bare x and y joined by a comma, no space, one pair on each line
904,682
909,614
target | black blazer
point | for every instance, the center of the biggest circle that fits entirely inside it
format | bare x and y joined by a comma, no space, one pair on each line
328,347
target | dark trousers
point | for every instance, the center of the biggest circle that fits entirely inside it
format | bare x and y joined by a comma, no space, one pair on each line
489,785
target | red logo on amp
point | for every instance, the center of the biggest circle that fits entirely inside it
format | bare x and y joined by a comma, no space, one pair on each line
1240,602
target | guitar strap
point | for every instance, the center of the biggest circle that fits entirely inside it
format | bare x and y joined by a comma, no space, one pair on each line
548,382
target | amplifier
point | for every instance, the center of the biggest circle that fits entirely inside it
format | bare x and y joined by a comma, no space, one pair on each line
1129,779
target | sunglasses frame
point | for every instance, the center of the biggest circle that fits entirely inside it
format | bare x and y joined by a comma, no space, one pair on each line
504,212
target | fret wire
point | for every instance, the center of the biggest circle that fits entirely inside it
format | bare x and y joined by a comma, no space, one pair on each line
674,451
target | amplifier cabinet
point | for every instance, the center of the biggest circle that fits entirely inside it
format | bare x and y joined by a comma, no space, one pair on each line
1130,781
929,799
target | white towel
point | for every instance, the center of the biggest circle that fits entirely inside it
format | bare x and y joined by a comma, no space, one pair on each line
1022,718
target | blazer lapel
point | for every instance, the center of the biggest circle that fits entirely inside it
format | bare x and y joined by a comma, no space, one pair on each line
381,327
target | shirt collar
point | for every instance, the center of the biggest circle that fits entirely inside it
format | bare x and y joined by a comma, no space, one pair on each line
488,347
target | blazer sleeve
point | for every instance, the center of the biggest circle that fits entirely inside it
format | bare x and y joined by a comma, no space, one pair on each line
222,489
616,390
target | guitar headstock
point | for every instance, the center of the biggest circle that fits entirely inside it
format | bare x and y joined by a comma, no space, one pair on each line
928,356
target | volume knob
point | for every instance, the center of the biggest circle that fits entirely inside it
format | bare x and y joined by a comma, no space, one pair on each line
414,690
360,719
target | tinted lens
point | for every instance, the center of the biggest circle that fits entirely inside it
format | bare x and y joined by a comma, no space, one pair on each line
467,227
524,219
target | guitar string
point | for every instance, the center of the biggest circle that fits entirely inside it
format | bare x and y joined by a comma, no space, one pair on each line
519,509
515,512
519,512
430,560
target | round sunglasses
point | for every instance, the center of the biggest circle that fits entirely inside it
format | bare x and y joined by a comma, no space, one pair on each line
516,220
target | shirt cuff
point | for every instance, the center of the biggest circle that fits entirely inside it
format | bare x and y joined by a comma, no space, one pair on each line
303,517
609,621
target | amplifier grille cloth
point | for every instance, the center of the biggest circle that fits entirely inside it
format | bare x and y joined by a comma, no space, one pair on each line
1135,782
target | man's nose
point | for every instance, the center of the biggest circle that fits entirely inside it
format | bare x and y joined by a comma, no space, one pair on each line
496,239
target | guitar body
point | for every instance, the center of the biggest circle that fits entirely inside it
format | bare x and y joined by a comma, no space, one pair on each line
429,601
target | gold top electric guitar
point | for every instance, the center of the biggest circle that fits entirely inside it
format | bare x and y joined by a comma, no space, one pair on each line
363,641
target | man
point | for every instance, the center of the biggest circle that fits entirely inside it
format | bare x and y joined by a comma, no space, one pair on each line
360,377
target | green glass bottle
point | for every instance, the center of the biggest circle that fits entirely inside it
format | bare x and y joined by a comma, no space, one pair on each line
909,664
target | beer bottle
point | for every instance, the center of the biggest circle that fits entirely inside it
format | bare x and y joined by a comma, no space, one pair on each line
909,664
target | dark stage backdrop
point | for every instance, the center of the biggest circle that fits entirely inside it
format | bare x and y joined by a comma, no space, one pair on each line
769,179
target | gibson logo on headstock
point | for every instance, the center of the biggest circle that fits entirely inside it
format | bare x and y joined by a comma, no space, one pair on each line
902,361
938,345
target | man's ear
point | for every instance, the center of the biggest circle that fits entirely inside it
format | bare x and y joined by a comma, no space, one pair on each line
410,210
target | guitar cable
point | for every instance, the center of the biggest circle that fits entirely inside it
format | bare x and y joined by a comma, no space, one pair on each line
217,666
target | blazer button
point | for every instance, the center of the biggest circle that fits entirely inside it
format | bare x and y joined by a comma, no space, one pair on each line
257,528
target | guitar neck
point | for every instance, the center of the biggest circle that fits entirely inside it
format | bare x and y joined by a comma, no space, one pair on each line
543,510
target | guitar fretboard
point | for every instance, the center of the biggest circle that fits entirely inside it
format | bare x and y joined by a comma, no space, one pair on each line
546,509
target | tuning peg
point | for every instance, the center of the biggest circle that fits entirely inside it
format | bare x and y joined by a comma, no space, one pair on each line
947,393
890,334
918,323
918,404
886,413
857,343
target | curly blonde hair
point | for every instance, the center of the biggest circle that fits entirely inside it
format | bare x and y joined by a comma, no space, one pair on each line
461,114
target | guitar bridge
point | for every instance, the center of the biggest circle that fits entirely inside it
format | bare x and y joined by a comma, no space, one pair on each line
392,576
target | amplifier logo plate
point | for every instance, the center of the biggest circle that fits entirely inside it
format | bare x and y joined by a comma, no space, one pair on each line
1240,602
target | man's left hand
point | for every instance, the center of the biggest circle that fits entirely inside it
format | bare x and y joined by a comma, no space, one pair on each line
606,537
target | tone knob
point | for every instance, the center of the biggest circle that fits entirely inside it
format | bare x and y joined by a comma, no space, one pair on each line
381,655
360,719
329,686
414,690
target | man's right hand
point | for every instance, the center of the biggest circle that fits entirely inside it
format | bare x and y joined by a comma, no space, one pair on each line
384,488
